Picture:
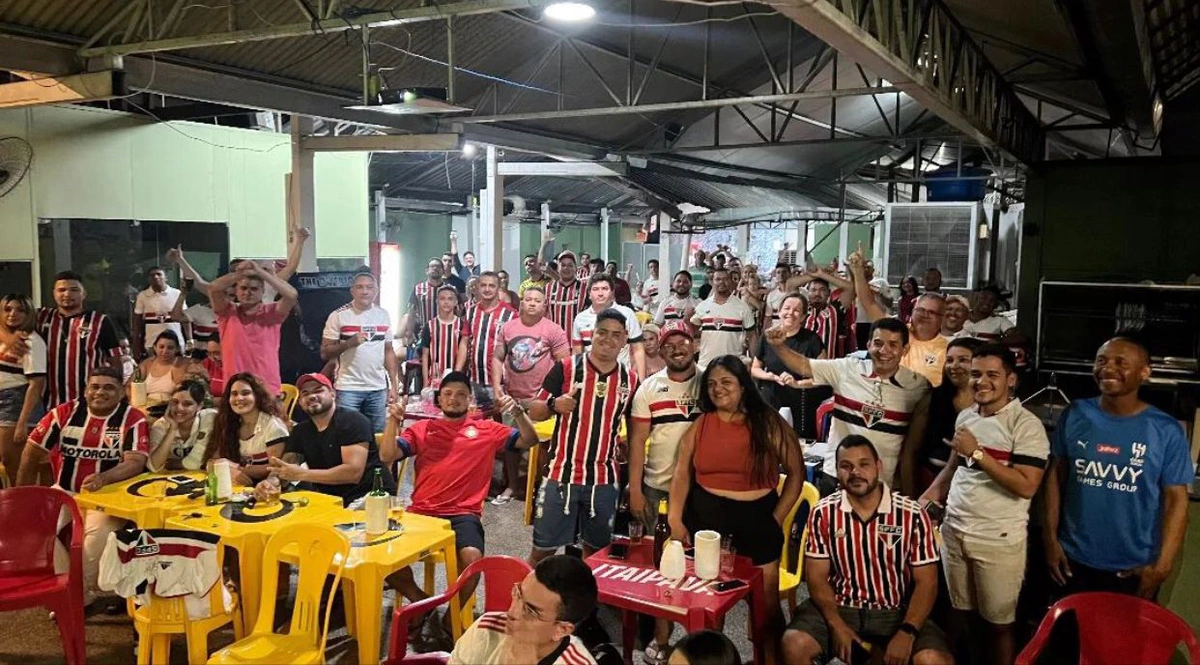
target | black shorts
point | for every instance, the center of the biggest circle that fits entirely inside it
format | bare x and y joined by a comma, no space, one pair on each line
468,531
752,524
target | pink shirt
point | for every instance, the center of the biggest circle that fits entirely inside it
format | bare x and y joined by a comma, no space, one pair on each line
250,342
529,353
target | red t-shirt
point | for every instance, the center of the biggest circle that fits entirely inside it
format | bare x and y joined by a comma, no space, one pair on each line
216,375
250,342
454,460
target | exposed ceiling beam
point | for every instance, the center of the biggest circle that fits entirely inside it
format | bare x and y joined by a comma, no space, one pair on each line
199,110
677,106
934,61
383,143
562,169
431,12
90,87
903,138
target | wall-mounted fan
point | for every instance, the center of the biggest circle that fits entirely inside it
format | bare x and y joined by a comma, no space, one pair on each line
15,157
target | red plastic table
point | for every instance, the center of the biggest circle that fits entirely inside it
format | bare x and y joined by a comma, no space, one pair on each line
635,586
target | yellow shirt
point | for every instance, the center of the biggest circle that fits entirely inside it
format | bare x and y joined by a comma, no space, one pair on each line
540,283
926,358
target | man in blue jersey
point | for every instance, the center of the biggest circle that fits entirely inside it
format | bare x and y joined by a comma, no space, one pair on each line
1116,488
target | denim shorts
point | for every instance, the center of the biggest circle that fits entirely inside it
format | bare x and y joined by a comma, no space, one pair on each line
564,511
12,400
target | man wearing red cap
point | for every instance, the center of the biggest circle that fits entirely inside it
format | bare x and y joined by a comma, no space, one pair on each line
664,406
336,443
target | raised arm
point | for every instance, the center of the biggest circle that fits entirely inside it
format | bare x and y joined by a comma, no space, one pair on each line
299,236
287,293
216,291
797,362
175,255
863,292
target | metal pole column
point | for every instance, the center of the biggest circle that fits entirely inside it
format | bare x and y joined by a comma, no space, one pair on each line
302,202
493,212
604,234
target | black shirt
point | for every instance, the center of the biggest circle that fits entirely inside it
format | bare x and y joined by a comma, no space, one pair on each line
323,450
805,342
802,401
940,426
705,290
457,282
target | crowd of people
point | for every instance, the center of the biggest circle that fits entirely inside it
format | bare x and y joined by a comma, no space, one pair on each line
704,397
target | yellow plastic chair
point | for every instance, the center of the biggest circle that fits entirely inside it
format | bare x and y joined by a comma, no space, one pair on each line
290,395
790,580
159,619
321,549
545,430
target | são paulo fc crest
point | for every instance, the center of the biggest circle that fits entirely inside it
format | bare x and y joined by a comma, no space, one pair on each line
470,432
871,414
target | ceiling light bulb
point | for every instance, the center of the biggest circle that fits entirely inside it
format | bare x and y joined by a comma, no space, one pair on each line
468,150
569,11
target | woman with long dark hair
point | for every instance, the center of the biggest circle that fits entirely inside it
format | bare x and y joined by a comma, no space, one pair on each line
22,378
909,292
179,440
247,431
728,473
945,403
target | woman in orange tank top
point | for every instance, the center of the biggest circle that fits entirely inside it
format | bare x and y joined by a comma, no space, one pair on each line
728,471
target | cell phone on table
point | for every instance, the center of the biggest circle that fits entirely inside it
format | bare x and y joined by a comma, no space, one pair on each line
728,585
181,479
618,551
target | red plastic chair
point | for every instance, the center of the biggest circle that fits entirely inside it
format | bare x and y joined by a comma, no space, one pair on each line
824,413
29,518
500,573
1117,629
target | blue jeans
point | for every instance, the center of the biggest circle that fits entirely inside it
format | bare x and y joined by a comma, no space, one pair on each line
370,403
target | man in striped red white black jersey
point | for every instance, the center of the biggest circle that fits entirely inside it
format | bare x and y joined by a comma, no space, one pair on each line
566,295
422,302
679,303
443,339
871,568
482,330
540,623
77,340
95,441
590,392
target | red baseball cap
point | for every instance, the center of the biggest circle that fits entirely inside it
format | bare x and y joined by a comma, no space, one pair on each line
320,378
675,328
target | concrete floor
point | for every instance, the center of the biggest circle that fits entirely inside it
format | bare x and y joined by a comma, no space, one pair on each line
31,638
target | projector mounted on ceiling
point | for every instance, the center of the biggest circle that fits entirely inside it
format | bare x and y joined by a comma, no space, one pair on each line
409,101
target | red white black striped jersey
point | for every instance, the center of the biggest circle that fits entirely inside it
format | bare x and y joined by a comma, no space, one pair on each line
74,346
441,339
423,300
826,323
870,563
482,331
563,303
584,444
204,323
81,444
673,308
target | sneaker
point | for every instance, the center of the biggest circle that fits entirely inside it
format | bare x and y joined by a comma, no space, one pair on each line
654,654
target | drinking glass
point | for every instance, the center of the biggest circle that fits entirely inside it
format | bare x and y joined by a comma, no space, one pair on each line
637,531
728,554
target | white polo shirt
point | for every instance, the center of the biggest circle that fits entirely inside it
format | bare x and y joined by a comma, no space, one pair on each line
670,409
673,308
879,409
977,505
360,367
156,308
990,329
723,327
585,323
204,323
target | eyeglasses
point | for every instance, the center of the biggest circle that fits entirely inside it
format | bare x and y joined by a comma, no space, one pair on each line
926,310
528,611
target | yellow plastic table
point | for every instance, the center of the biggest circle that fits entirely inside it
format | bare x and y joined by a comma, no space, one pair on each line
411,538
248,530
148,499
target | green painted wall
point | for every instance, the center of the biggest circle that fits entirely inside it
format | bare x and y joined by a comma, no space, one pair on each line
98,164
575,238
826,248
421,237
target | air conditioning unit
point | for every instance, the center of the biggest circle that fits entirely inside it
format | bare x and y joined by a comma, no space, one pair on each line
919,236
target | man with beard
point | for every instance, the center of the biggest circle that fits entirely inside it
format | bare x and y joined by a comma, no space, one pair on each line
537,276
679,303
453,467
725,321
358,335
250,327
566,295
1000,454
600,289
336,445
933,281
585,268
525,351
664,407
876,398
1117,485
870,565
91,442
957,309
591,393
926,354
483,322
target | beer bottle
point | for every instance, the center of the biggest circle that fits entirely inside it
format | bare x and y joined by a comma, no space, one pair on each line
378,503
662,531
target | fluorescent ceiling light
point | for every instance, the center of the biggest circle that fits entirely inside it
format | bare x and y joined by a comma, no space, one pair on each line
569,11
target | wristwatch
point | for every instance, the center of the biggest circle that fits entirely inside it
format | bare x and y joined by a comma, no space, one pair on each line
977,455
550,402
907,627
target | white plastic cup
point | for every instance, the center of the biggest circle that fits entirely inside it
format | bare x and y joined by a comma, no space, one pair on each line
224,480
708,554
138,396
